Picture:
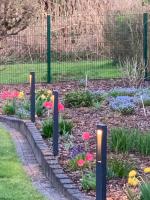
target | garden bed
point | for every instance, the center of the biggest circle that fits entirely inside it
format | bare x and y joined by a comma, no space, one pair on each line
85,119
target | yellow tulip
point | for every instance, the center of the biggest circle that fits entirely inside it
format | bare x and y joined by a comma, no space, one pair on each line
133,181
21,95
52,98
147,170
49,92
132,173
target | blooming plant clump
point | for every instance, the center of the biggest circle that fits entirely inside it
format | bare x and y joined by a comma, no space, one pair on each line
141,183
80,156
10,98
123,104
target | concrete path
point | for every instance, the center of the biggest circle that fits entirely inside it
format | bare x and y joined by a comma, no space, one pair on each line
31,166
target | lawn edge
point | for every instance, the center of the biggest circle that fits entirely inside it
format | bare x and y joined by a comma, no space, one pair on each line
51,168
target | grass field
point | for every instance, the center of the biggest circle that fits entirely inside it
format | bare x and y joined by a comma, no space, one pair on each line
14,185
18,73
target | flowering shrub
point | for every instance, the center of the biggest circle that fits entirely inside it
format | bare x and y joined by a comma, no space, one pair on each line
123,104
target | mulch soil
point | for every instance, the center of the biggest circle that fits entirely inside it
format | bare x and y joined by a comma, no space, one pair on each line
86,119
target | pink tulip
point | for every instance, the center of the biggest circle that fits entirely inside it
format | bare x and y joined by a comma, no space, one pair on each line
80,163
60,107
9,95
89,157
86,136
48,105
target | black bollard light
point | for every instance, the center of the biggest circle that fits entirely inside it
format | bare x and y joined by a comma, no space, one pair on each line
55,124
32,96
101,157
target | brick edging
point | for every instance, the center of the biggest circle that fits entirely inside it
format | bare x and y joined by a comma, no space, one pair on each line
52,169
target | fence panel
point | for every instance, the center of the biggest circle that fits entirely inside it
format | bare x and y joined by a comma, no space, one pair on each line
25,52
73,47
95,46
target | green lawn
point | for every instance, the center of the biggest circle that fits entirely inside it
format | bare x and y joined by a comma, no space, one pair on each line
18,73
14,185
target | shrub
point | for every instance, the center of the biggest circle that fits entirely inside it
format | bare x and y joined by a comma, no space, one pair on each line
129,140
65,127
9,109
78,99
123,104
124,34
83,98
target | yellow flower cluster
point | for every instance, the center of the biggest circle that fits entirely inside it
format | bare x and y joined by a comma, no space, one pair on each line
132,180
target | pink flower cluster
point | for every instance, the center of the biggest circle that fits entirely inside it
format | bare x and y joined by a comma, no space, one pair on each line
50,105
7,95
89,156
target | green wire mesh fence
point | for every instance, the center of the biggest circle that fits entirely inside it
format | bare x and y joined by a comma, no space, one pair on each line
72,48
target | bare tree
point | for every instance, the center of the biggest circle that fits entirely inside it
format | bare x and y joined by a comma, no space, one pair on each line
15,16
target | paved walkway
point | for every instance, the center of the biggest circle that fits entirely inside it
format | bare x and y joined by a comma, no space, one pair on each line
31,166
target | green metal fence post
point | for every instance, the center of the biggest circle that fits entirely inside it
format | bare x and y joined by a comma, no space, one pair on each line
48,49
145,43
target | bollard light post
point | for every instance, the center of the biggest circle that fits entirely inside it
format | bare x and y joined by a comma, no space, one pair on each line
101,157
55,124
32,96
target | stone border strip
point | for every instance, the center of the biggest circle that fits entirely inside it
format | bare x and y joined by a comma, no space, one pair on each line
52,169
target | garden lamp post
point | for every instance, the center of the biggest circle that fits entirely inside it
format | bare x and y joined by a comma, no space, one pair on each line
101,156
55,124
32,96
